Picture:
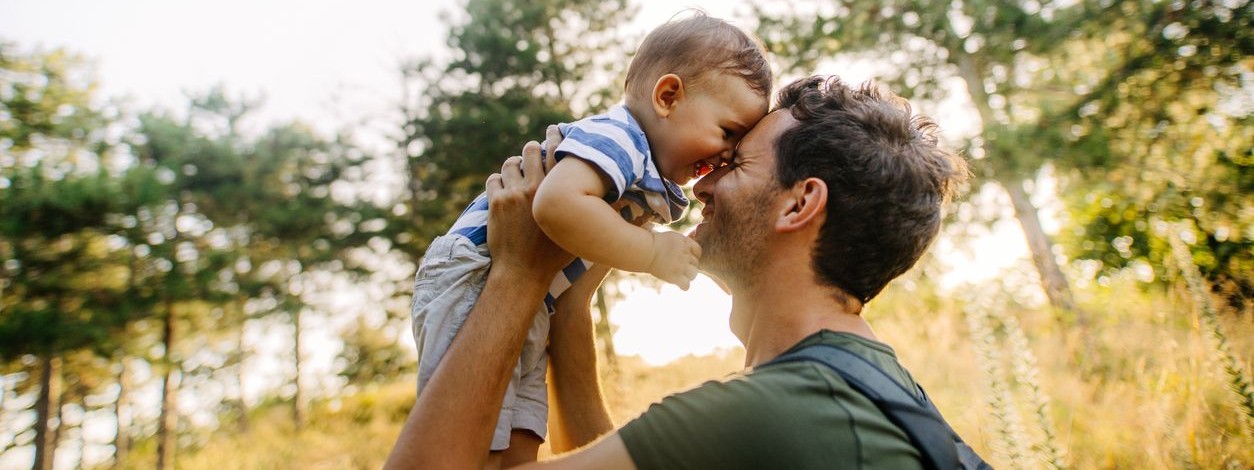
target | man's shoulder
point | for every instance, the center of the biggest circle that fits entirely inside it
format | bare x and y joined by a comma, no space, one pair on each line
800,408
879,354
785,384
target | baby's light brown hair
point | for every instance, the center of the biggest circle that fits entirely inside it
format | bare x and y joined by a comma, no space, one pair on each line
693,46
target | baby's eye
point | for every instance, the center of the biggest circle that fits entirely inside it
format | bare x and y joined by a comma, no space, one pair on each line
727,133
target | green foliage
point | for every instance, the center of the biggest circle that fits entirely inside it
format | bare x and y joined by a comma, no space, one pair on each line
1188,157
59,286
372,355
43,96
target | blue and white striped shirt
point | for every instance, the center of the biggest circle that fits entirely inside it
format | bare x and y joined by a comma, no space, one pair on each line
615,144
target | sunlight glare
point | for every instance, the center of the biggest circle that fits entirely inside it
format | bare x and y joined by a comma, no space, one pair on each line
663,325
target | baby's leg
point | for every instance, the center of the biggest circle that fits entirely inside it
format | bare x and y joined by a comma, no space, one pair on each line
449,280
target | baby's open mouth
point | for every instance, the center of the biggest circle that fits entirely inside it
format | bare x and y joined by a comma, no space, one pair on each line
701,169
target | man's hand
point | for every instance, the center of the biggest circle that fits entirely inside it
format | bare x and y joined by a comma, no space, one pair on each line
674,258
552,138
514,239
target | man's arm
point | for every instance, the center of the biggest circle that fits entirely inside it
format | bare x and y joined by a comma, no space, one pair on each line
451,424
609,453
577,413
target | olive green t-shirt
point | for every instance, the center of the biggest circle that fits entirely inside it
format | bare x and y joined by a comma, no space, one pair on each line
794,415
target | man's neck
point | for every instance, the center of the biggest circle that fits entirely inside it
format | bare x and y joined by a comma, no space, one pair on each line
780,316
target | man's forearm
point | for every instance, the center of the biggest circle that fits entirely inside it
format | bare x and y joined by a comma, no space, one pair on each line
578,406
451,425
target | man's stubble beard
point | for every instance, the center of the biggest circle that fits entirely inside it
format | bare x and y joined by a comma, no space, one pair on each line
734,251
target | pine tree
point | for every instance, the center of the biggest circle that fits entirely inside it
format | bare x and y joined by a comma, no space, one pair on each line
60,293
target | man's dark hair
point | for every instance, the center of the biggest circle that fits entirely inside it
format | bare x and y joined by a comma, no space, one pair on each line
693,46
887,177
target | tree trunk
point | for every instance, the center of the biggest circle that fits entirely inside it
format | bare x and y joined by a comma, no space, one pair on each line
121,408
58,432
1053,281
167,424
49,390
555,60
4,393
121,445
297,414
241,421
604,332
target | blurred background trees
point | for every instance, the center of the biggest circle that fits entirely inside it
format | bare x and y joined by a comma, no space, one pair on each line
163,270
1186,158
151,240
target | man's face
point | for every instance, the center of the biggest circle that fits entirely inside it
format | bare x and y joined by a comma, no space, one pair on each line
740,201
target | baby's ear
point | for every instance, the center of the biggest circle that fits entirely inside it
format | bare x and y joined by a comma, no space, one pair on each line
667,92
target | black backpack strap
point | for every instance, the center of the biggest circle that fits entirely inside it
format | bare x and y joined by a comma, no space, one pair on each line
966,455
939,445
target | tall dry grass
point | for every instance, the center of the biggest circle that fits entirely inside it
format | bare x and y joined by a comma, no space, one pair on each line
1149,398
352,432
1153,394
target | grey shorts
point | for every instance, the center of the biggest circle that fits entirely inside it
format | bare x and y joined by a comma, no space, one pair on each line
449,281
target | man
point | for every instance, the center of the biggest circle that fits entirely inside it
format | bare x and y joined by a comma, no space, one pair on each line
831,196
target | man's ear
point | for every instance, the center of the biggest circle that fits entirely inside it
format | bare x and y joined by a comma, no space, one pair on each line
806,206
667,92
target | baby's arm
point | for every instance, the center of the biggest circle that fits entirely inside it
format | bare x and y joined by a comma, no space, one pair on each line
570,209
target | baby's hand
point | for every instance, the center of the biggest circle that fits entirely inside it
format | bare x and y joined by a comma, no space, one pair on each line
674,258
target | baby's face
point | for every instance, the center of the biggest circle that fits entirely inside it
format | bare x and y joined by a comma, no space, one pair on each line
706,126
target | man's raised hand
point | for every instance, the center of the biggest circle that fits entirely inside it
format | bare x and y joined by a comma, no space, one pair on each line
514,239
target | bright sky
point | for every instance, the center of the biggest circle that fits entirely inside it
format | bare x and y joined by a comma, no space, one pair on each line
332,63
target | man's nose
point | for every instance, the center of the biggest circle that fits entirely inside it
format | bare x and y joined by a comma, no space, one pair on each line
704,189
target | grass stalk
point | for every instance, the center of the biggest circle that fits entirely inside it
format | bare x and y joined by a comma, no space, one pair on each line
1027,374
1238,381
1001,402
